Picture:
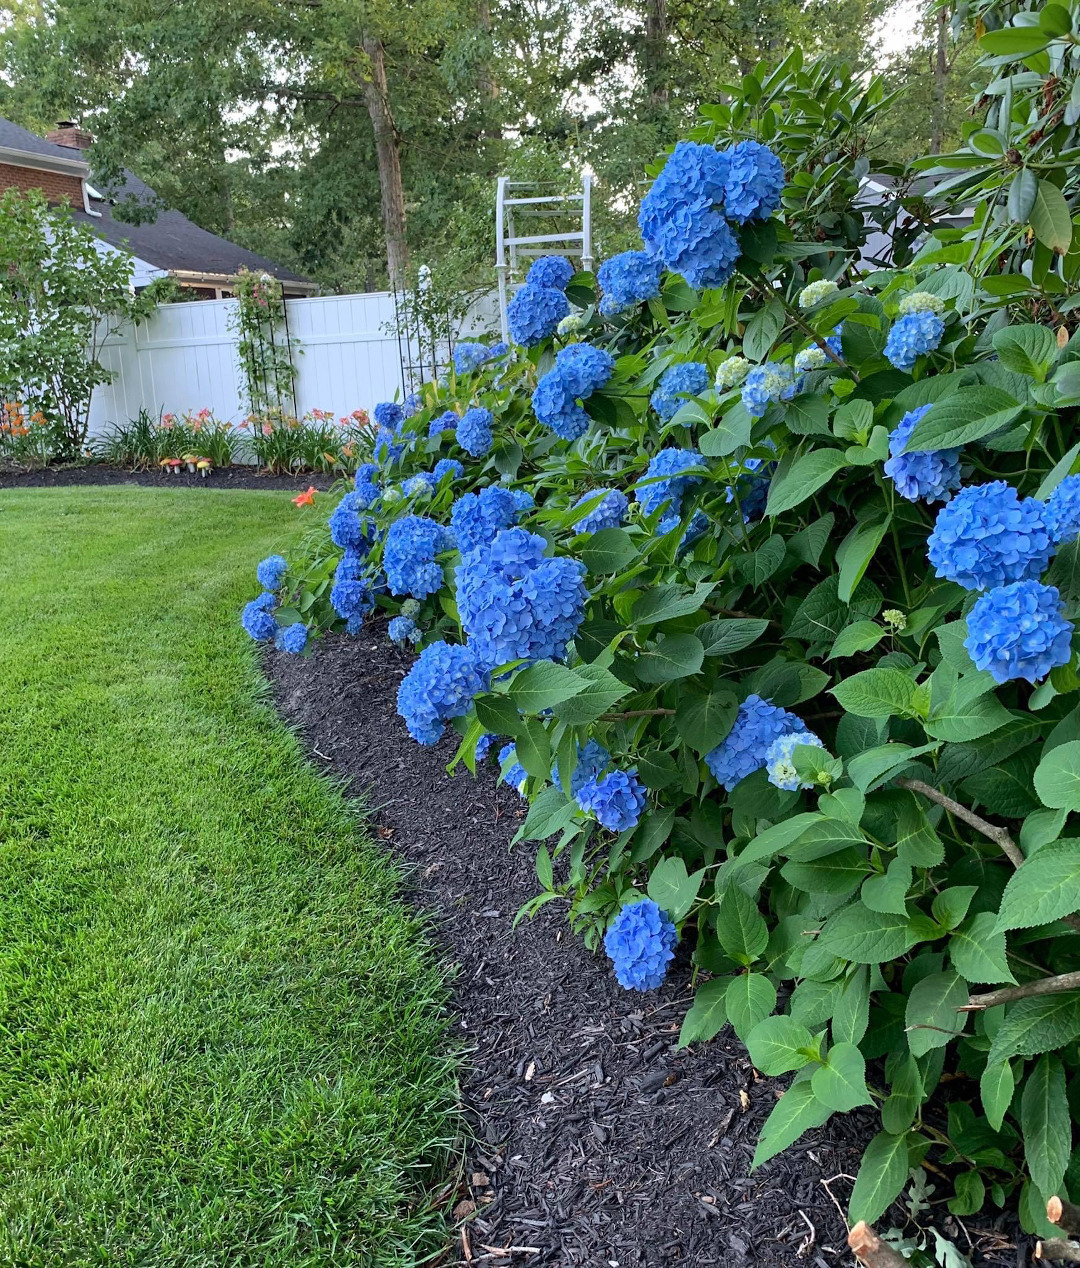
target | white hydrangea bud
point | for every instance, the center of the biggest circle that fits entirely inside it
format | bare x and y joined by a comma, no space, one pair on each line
571,323
921,302
894,618
810,358
817,292
732,372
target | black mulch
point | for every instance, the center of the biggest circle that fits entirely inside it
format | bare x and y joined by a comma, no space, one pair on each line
597,1142
99,473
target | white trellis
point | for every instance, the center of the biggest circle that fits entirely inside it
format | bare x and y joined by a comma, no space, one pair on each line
521,203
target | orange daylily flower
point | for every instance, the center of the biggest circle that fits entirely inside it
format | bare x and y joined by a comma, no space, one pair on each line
306,498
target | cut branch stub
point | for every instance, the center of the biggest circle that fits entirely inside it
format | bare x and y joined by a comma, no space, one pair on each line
1065,1214
871,1251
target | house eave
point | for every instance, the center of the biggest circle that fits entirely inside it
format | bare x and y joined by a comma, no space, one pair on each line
44,162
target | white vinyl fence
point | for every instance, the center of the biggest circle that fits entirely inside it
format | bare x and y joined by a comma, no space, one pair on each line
184,358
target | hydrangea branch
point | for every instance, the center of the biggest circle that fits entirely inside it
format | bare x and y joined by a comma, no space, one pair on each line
1065,1214
1057,1250
1007,994
637,713
871,1251
766,295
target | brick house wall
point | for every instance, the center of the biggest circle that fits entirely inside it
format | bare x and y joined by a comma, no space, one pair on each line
54,185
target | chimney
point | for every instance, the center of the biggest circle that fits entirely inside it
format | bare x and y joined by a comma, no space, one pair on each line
71,135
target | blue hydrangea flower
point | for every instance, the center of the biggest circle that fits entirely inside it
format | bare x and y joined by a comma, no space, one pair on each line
402,630
446,421
412,404
780,763
515,774
367,486
579,370
535,312
930,476
669,491
257,620
514,604
616,799
987,537
475,518
293,638
412,543
610,513
628,279
351,597
1019,631
420,485
347,526
751,489
755,181
681,217
592,760
773,381
271,572
389,415
385,448
551,271
266,601
699,523
471,356
523,500
483,745
690,378
640,943
447,467
1062,512
912,336
440,686
474,431
745,748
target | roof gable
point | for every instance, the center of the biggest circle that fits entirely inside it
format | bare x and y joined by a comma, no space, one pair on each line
12,137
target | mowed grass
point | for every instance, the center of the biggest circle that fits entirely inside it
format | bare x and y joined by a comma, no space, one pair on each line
222,1038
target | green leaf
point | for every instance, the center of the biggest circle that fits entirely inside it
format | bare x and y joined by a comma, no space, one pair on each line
750,998
658,769
1015,41
1046,1124
759,565
762,330
869,768
534,749
852,1012
803,478
499,715
1026,349
1044,889
950,905
796,1112
609,550
1057,777
740,926
837,873
996,1087
977,950
776,1045
1042,1023
543,685
867,937
841,1082
966,415
703,720
676,656
968,713
549,813
672,889
876,693
1023,191
767,843
888,893
602,691
807,415
969,1194
1050,219
860,636
665,603
707,1013
732,431
931,1018
906,1094
855,552
725,636
809,542
882,1175
917,844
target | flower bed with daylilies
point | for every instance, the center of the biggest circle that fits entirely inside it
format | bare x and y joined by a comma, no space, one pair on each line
760,581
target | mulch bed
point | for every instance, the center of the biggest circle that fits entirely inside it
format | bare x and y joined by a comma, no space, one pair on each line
99,473
597,1142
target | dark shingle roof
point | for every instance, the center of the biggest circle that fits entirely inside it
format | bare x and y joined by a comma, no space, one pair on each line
15,138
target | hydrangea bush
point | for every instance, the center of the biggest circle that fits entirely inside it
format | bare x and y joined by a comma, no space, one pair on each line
779,650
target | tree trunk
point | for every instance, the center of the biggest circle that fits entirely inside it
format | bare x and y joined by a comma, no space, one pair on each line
656,51
377,100
487,83
941,72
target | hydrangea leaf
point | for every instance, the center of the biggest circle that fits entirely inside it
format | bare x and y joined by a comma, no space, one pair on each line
906,1094
665,603
837,873
740,926
965,415
1028,349
749,999
851,1015
868,937
887,892
727,635
603,690
859,636
1044,889
758,566
977,950
796,1112
673,657
876,693
1057,778
544,685
855,552
707,1014
932,1018
609,550
1046,1123
672,889
1042,1023
779,1044
841,1082
883,1173
802,479
703,719
996,1087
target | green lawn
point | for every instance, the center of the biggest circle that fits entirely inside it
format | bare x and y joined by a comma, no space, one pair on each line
222,1038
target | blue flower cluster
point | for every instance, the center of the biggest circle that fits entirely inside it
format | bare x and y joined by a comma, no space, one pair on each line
987,537
640,943
420,485
447,467
616,799
552,272
440,686
628,279
668,491
476,517
813,357
755,182
535,312
257,617
1062,512
412,404
448,420
592,760
351,596
474,431
523,500
773,381
516,605
389,415
691,378
579,370
1019,631
348,528
483,746
412,543
271,572
610,513
402,630
292,639
779,759
681,217
367,485
745,748
516,774
751,489
471,356
929,475
913,335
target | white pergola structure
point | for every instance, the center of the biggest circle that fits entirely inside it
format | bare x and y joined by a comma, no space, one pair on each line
517,203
